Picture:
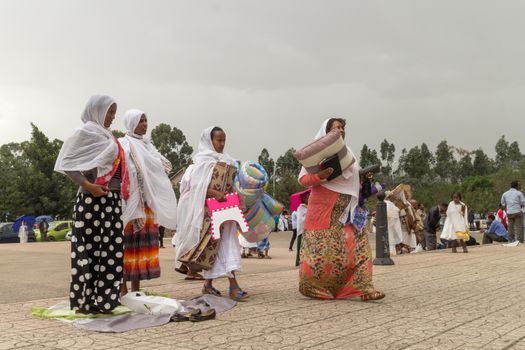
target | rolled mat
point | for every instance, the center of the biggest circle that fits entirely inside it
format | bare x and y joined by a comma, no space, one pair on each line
259,207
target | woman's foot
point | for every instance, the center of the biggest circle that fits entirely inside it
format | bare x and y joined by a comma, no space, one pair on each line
193,276
237,294
375,295
209,289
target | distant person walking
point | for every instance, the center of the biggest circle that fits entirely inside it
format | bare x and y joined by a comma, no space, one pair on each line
301,217
456,225
23,232
43,227
513,201
432,225
294,230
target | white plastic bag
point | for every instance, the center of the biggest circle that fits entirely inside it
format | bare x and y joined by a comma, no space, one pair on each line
153,305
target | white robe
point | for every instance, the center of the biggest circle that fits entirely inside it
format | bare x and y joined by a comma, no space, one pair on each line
228,257
455,221
22,234
301,217
395,230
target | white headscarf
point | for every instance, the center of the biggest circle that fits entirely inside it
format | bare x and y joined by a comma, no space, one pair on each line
347,183
144,162
194,186
92,145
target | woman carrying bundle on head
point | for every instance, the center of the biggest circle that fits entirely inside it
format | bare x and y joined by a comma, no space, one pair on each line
95,160
151,203
335,256
210,176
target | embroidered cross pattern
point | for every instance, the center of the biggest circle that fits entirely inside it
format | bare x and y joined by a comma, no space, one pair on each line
229,210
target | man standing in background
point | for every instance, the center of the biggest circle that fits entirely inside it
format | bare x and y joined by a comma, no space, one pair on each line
513,201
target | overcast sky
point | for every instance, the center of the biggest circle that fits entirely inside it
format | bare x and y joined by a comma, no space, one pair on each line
270,72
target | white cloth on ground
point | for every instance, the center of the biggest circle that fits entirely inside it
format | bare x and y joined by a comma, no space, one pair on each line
194,187
456,221
92,145
155,189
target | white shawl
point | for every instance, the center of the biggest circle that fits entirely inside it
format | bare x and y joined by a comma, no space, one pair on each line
92,145
455,221
194,186
149,183
347,183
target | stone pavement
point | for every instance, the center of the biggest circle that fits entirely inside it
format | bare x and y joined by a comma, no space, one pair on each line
435,300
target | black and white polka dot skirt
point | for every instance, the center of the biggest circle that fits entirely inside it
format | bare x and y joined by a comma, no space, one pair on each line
97,252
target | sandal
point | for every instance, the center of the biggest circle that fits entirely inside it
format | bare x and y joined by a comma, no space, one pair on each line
240,295
211,290
185,316
195,277
203,316
375,295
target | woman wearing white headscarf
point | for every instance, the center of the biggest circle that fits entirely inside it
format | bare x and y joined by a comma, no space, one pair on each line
94,159
195,188
151,203
335,257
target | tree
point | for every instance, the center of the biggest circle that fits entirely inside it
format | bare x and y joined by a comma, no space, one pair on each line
285,186
446,165
287,164
502,151
416,164
478,192
266,161
172,144
482,164
368,157
465,167
514,152
388,152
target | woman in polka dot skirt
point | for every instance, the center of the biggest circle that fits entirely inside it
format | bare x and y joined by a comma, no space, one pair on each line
94,159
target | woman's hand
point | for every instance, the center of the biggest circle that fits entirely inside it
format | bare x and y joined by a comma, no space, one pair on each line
463,209
218,195
325,173
95,190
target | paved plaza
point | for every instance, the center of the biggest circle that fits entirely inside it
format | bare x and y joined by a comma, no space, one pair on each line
435,300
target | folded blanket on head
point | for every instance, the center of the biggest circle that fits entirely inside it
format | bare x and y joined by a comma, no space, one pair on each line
259,207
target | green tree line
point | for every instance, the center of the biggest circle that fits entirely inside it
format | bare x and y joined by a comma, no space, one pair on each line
28,184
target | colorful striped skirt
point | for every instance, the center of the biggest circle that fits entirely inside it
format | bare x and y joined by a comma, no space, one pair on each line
141,250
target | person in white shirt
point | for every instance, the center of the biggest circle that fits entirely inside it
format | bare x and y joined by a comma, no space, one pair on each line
294,230
22,232
300,217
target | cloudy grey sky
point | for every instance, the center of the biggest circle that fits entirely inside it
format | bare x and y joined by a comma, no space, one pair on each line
270,71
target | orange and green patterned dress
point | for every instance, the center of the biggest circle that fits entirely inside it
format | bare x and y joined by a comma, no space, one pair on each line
335,262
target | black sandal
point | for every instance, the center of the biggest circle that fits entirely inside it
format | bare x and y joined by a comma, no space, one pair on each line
211,290
185,316
203,316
